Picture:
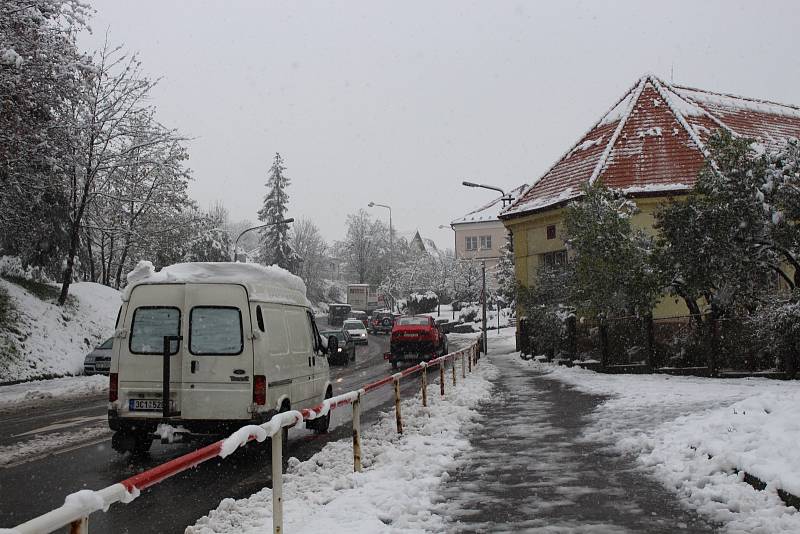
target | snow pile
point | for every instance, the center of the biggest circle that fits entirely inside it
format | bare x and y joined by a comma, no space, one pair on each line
272,284
69,387
52,340
698,437
395,490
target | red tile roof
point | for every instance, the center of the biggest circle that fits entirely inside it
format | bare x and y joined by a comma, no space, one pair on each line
653,140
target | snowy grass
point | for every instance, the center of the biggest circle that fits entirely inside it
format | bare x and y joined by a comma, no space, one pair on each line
394,492
694,434
49,340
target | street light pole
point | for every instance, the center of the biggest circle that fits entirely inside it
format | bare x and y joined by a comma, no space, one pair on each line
391,237
236,243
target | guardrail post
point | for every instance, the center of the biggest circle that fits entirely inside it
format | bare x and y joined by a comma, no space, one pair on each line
469,358
357,434
463,366
425,385
453,368
79,526
397,413
277,481
441,377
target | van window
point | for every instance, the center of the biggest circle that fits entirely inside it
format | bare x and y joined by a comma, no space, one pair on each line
149,326
277,340
299,332
259,318
215,330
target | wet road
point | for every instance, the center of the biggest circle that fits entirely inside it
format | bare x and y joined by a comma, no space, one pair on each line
38,478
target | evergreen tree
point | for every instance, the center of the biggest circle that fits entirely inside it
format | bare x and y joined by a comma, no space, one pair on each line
276,249
506,278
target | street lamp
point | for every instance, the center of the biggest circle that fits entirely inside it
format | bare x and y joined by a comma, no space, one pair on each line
236,243
391,239
505,198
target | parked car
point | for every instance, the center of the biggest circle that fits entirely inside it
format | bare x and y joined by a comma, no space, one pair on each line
357,331
242,345
361,316
346,352
381,322
415,338
98,361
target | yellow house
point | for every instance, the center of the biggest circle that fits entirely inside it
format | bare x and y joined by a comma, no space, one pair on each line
650,145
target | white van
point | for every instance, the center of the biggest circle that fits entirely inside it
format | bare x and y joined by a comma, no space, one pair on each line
243,347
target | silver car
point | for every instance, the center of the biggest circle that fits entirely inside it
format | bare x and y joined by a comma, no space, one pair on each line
98,361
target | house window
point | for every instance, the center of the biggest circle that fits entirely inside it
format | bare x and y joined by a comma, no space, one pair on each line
486,242
472,242
554,259
551,231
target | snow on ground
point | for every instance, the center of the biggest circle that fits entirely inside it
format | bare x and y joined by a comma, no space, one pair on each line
693,434
52,340
26,393
395,490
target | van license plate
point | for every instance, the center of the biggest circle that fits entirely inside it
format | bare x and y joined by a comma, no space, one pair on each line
147,405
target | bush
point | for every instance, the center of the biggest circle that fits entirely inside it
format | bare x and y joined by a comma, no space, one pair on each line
470,313
422,302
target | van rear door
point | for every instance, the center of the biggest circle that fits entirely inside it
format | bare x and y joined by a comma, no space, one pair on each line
218,353
153,311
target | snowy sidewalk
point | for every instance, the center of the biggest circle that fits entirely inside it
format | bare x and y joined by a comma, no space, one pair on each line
530,471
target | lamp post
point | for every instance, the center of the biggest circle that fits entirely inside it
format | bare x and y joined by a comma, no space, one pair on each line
236,243
391,238
506,197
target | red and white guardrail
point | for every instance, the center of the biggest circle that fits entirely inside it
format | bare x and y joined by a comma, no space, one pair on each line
77,507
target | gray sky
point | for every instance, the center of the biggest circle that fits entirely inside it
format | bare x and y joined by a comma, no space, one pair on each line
398,102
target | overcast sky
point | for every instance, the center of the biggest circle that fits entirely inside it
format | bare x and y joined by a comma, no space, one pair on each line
398,102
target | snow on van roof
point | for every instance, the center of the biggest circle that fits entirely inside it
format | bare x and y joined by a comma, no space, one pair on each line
268,284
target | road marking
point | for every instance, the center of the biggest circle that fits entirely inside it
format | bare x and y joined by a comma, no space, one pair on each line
74,421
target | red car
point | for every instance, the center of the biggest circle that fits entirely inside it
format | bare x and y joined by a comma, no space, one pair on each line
415,338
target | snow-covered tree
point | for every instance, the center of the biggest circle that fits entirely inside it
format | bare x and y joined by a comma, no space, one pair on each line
365,246
506,276
311,249
213,244
613,274
735,236
276,246
40,79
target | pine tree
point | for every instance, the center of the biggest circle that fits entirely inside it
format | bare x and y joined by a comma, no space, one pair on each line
506,277
276,249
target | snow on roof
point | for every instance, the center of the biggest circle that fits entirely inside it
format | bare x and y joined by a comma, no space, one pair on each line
270,284
653,139
489,212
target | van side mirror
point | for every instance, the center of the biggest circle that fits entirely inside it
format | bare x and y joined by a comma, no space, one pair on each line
333,345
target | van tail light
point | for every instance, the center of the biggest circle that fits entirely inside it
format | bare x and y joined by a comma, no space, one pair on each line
260,390
113,387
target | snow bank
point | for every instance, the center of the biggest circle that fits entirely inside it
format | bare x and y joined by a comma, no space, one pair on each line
395,490
272,284
53,340
694,434
61,388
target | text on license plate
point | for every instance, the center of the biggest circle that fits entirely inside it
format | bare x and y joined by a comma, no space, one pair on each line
147,405
410,335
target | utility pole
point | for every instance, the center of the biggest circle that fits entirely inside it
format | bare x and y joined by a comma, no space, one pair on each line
483,298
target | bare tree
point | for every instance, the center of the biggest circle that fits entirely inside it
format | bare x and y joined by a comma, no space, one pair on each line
111,126
310,246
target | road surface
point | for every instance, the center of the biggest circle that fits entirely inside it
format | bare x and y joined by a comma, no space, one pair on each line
52,449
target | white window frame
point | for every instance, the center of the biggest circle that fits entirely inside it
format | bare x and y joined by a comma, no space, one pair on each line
486,242
471,240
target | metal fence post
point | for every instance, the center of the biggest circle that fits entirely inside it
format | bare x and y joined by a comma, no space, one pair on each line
425,385
463,366
469,358
453,368
79,526
277,482
357,434
604,356
441,377
397,413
